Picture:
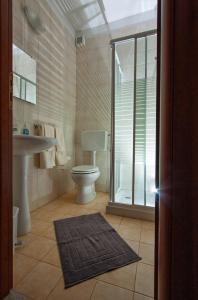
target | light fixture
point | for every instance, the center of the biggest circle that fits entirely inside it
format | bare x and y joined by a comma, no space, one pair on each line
33,20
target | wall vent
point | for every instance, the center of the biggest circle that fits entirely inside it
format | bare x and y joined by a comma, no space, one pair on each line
80,41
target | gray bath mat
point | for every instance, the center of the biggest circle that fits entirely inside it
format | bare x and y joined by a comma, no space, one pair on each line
89,246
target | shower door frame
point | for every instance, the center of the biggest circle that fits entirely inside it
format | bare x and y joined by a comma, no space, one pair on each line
130,210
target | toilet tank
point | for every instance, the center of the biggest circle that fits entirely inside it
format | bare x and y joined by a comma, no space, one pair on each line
94,140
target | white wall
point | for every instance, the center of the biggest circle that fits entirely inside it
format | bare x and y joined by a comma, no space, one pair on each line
55,53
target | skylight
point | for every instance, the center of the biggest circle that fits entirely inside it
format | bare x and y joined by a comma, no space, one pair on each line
120,9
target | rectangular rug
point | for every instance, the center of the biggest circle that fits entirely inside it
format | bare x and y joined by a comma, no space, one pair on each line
89,246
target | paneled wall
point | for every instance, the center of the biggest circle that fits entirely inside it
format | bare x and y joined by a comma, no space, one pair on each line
74,91
55,53
94,88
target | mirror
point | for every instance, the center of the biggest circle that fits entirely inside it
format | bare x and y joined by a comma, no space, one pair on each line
24,76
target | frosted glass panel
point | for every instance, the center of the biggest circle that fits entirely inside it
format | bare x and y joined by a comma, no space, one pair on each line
140,123
151,119
145,122
124,90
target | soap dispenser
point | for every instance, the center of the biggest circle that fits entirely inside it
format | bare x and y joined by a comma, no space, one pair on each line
25,130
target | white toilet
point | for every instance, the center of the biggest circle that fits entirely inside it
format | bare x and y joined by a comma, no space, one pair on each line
85,176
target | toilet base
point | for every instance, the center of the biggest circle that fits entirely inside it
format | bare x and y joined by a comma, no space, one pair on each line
85,194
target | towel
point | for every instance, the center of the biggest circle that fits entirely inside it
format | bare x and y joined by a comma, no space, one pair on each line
61,157
47,158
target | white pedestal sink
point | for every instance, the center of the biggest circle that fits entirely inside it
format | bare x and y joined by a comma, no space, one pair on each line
23,147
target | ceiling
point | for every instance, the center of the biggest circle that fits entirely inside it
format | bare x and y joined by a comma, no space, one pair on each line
119,9
86,14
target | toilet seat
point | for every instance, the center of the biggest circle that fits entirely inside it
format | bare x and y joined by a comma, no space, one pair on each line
85,169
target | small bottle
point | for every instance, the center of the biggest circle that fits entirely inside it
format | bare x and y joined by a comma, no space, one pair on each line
25,130
15,130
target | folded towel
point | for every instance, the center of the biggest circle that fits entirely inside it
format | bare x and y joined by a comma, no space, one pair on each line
61,156
47,158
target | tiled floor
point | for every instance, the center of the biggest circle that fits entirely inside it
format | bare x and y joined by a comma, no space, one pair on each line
37,272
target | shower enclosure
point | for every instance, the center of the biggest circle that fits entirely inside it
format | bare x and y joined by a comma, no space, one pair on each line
134,121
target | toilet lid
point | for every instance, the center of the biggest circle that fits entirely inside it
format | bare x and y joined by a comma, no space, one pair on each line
85,169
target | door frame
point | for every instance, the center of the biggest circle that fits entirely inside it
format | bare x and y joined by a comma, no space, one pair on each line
178,179
6,248
176,271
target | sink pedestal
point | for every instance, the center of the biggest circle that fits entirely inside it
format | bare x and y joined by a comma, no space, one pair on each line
24,146
20,192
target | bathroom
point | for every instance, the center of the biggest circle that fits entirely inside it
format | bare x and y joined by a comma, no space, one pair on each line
75,50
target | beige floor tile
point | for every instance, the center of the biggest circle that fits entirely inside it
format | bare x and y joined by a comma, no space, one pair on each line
145,280
36,282
68,198
146,251
42,215
52,257
129,233
104,291
130,221
147,236
59,214
134,245
96,204
22,266
38,248
141,297
26,240
40,282
82,210
80,291
113,220
122,277
38,226
54,205
133,225
148,225
49,233
116,227
50,216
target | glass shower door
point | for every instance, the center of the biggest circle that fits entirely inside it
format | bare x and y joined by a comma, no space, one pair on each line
134,121
123,115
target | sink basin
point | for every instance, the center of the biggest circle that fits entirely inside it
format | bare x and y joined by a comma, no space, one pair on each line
30,144
23,147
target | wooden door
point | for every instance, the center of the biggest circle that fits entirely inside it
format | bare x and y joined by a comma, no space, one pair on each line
5,147
178,204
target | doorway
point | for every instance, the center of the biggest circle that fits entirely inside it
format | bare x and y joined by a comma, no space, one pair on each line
185,44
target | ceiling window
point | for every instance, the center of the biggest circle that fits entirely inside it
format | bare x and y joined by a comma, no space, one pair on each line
120,9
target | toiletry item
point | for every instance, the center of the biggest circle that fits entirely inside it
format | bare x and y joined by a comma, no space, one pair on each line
15,130
25,130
